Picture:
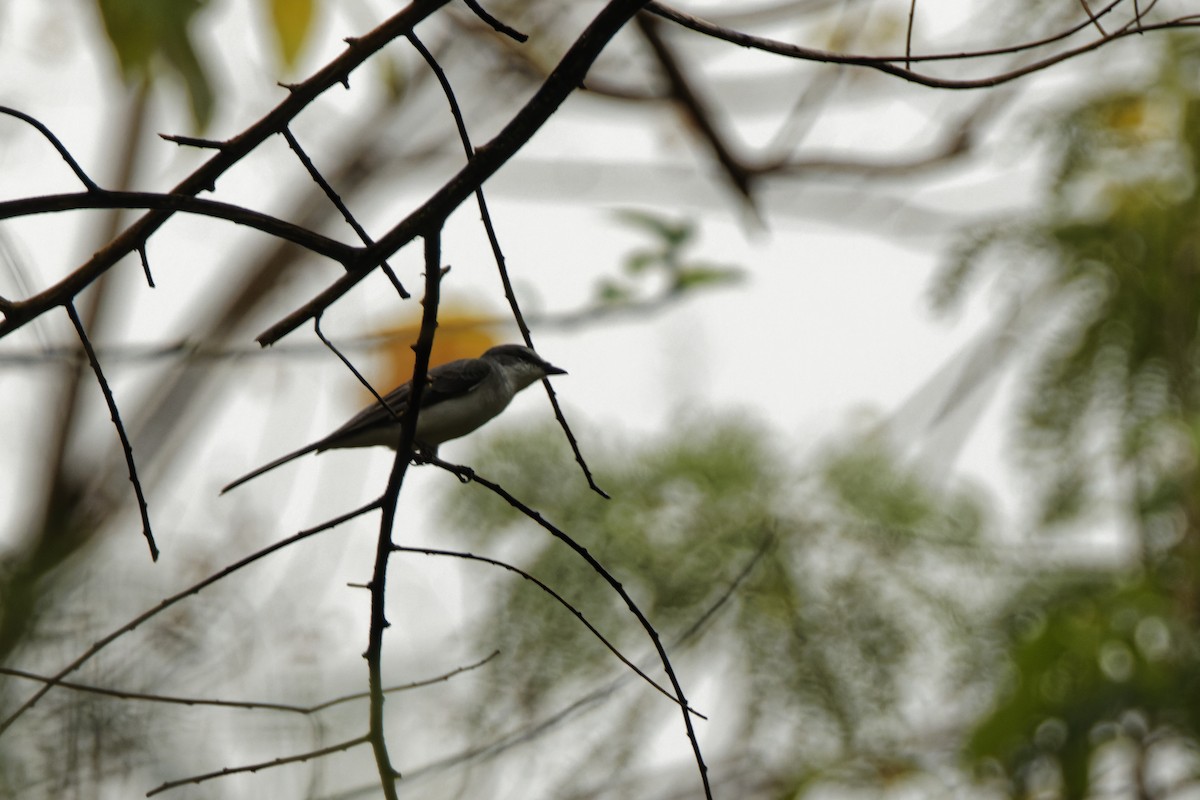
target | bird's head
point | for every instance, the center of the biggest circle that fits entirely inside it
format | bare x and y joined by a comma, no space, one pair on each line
521,364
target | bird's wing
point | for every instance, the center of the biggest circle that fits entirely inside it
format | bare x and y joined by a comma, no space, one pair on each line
443,382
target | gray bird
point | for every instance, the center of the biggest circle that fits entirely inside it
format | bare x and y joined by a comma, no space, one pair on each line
459,397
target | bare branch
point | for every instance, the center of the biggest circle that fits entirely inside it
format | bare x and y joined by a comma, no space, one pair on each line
172,202
565,78
58,145
340,206
249,705
465,473
496,24
115,414
275,762
388,502
561,601
887,64
336,72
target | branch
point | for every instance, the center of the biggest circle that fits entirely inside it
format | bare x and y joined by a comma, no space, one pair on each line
275,762
317,177
467,474
565,78
115,414
391,496
58,145
249,705
562,601
239,215
230,152
886,64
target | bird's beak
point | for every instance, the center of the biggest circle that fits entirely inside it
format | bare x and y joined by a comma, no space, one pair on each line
550,369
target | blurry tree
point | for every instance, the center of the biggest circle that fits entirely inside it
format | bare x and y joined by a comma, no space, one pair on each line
1104,664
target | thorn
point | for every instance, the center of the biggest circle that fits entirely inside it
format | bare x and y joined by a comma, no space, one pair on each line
193,141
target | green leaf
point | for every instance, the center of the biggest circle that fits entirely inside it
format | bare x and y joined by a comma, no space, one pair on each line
691,277
146,35
292,21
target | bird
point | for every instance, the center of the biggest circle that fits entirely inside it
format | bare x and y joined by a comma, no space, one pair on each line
459,397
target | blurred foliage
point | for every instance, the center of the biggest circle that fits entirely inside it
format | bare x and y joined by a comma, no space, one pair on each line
815,646
291,20
148,37
1113,261
665,260
1109,424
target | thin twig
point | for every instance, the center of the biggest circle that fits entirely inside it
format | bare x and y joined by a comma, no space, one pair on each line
886,64
1095,21
58,145
193,141
561,601
115,414
466,473
498,254
526,733
275,762
361,378
445,676
166,603
496,24
249,705
908,34
336,199
145,265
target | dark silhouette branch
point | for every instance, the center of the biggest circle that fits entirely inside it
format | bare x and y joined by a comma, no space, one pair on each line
888,65
388,503
239,215
562,601
467,474
275,762
115,414
340,206
350,366
58,145
488,158
204,178
249,705
496,24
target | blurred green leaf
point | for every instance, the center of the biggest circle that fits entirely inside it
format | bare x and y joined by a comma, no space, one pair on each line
146,35
291,20
697,275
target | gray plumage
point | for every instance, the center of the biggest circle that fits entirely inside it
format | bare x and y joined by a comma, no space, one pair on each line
459,397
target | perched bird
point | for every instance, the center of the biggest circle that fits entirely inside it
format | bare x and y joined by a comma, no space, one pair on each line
459,397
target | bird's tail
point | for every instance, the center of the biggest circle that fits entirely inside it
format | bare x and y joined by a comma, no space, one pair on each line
276,463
